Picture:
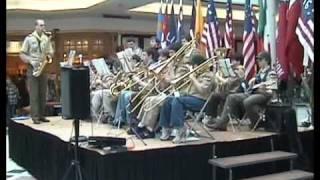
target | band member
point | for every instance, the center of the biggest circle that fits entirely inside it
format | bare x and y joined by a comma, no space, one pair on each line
101,98
150,109
251,101
229,85
35,48
131,44
172,113
164,55
173,48
149,56
122,115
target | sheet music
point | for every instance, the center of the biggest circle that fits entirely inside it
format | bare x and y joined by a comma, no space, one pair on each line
71,56
122,56
225,67
101,66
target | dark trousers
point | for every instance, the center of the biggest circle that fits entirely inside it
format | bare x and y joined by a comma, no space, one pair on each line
213,104
235,102
38,91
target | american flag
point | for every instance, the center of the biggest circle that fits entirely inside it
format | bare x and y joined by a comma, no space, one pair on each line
248,50
211,34
229,35
305,30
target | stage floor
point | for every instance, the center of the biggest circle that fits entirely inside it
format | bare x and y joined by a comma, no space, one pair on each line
63,129
44,151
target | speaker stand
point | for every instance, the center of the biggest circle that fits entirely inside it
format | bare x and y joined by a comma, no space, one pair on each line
75,163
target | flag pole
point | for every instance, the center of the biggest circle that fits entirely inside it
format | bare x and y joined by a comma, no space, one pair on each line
271,24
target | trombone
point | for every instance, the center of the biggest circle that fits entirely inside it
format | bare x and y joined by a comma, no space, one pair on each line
144,97
186,47
159,68
174,82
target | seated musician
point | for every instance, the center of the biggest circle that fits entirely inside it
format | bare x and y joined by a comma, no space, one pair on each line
149,56
227,85
122,115
136,50
173,48
251,100
163,55
101,99
99,87
155,45
150,109
172,113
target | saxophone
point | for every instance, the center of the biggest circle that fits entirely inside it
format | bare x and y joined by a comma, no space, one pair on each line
47,59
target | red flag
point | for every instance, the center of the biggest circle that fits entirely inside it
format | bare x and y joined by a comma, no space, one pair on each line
282,64
294,50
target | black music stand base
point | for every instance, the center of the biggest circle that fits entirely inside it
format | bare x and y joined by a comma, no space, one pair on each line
75,164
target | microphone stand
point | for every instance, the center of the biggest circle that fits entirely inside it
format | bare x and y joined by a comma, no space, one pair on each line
75,162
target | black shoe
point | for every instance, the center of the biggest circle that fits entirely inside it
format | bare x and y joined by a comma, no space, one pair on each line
133,129
147,134
214,127
44,120
130,131
35,121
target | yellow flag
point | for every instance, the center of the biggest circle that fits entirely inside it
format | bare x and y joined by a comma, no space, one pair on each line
199,22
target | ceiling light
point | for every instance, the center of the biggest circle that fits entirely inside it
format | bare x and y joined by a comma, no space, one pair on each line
51,5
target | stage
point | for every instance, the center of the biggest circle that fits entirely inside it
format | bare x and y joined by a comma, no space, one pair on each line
45,152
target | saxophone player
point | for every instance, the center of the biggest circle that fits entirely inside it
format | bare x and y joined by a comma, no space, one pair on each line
35,48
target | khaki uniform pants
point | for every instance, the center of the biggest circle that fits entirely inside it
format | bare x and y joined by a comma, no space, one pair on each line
38,92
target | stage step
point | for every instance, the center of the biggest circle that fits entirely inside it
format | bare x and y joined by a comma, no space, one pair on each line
288,175
251,159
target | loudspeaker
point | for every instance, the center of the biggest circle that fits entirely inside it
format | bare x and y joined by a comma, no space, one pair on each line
275,117
75,93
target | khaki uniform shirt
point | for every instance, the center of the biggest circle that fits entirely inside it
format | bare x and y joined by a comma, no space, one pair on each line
207,84
31,46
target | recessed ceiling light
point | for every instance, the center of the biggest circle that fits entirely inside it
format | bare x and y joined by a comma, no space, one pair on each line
51,5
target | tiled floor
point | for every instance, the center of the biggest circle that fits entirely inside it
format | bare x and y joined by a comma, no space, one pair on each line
14,171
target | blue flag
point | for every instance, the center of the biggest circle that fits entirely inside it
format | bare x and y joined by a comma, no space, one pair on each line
193,20
160,22
172,36
180,30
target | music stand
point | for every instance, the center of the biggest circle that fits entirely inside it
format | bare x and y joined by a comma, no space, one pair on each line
75,162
